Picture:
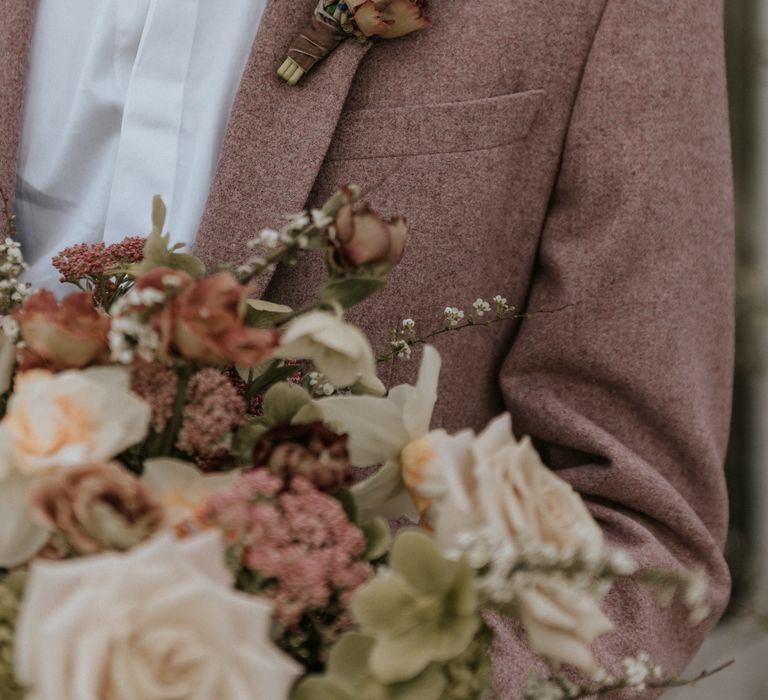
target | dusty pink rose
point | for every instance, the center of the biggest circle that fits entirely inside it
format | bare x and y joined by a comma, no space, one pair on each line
97,507
204,320
58,336
365,238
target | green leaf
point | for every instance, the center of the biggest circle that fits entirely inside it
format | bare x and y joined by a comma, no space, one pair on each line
271,375
265,314
158,251
349,291
245,439
347,501
283,401
310,413
377,536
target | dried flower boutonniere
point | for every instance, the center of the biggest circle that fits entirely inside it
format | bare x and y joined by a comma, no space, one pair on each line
363,20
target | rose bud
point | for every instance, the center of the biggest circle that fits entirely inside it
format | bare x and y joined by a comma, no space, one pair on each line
369,18
97,507
69,335
365,238
311,450
403,17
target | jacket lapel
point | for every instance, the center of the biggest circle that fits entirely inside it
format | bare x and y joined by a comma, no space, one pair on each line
15,34
276,140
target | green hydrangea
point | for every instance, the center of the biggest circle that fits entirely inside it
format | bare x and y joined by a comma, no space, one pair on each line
468,674
348,677
423,609
11,589
421,635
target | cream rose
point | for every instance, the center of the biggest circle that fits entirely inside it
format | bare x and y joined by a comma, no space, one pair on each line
56,421
159,622
181,487
561,622
71,418
338,349
493,481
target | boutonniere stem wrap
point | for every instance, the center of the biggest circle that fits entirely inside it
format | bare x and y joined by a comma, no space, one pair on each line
363,20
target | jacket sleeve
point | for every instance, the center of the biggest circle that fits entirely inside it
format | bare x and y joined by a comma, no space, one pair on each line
627,393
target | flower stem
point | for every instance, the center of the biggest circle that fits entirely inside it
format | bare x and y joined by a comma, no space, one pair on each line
168,436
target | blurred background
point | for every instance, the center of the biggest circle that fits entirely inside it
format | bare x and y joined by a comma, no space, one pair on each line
743,633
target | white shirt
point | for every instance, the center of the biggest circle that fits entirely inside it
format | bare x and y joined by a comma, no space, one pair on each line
125,99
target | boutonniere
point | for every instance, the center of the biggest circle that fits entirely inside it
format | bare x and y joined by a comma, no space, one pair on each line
363,20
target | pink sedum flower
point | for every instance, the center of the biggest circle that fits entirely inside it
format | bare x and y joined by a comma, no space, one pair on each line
214,408
294,544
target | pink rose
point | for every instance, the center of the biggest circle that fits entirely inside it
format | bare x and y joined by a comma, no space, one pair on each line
204,320
67,335
365,238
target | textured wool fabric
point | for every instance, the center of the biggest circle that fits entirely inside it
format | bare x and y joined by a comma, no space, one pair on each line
571,156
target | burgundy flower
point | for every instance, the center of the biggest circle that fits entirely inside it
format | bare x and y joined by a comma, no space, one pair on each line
311,450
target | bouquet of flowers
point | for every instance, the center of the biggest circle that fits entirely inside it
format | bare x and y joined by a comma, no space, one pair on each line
187,509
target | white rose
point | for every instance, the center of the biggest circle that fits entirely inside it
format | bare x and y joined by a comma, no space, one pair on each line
159,622
561,622
338,349
56,421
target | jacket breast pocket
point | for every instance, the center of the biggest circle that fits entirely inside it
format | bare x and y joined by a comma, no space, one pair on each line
435,128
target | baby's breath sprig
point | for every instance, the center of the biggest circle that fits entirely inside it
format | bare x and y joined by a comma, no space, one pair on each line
403,339
303,232
12,266
640,673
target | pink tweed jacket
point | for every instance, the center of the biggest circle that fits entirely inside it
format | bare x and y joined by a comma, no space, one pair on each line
561,153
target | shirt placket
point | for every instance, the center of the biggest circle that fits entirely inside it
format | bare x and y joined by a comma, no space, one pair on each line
147,156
